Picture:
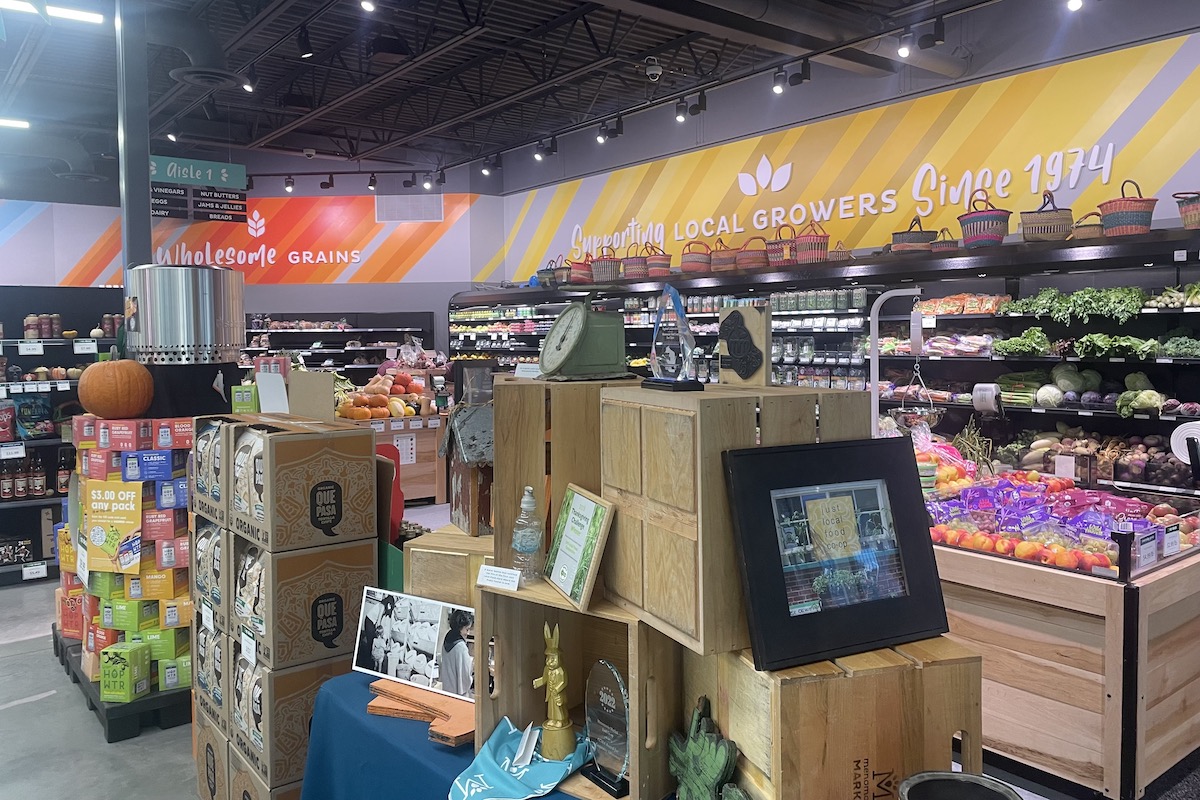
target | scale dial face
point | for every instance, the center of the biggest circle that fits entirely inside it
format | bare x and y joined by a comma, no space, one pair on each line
565,335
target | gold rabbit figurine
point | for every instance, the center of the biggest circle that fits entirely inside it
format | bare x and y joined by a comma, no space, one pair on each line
558,735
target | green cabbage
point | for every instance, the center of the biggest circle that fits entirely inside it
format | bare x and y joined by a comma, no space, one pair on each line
1092,379
1071,382
1138,382
1049,396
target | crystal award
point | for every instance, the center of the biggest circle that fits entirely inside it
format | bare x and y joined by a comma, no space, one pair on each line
671,349
607,708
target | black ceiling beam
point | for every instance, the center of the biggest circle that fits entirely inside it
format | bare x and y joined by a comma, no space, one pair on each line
22,66
375,83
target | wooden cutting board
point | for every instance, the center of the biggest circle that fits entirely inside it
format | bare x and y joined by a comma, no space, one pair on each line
452,721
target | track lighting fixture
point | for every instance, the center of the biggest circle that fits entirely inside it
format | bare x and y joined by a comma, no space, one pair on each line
486,168
440,180
700,105
935,37
602,133
779,81
1074,5
802,75
681,110
172,136
367,6
329,183
251,79
539,151
904,50
289,184
372,182
249,183
411,181
427,183
303,44
491,165
618,128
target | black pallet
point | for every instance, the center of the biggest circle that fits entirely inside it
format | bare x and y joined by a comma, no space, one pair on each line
123,720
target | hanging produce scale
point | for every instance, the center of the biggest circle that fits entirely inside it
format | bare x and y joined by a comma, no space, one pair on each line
584,344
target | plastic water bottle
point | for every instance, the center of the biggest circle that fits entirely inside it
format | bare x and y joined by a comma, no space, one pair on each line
527,539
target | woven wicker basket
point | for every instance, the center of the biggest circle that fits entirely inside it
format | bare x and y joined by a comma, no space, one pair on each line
749,258
1189,209
634,264
606,267
1127,216
839,252
581,271
1049,223
945,242
984,225
724,259
658,261
694,259
1087,230
915,239
782,249
812,244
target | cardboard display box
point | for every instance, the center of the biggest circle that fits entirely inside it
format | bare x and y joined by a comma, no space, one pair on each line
106,585
244,783
271,710
164,525
113,523
176,613
298,485
89,664
175,673
84,429
212,660
212,546
99,638
172,494
173,434
124,672
129,615
153,465
212,757
101,465
172,553
164,645
91,608
68,614
301,605
124,434
70,583
157,584
210,478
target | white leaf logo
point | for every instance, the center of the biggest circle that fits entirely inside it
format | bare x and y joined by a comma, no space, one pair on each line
764,172
765,176
779,180
256,226
747,185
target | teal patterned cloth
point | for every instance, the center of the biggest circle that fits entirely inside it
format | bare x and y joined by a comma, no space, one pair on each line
492,776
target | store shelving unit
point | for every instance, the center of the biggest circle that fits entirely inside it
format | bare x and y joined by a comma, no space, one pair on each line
324,349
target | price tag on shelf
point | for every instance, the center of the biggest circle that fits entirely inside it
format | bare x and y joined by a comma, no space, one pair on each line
1164,361
1037,410
84,346
16,388
63,386
33,571
378,426
1147,545
249,645
1149,311
1180,255
1192,310
1084,413
997,358
1117,360
435,422
493,336
1141,416
1171,541
391,353
1170,418
1064,466
12,450
3,393
34,348
935,358
928,322
397,424
1072,358
43,386
416,424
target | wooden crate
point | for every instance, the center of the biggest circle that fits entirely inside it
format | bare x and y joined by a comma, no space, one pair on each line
526,413
470,496
671,555
852,727
443,565
648,661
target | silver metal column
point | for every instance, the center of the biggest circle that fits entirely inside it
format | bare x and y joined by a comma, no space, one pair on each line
133,131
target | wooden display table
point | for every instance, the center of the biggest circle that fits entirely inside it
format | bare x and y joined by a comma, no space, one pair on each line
422,472
443,565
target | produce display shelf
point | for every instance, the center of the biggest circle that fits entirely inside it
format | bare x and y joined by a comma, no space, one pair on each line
1149,487
311,331
524,349
1070,359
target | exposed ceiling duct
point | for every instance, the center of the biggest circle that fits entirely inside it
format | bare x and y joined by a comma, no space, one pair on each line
78,161
209,67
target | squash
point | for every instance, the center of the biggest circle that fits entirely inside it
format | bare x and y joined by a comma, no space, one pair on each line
377,400
116,389
380,412
396,407
360,412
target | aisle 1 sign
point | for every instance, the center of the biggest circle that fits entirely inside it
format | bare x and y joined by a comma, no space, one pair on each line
194,172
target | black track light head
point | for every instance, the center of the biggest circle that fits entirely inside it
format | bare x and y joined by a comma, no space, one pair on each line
701,104
303,43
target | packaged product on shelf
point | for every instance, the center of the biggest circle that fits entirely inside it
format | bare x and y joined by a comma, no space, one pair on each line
101,465
69,614
124,434
70,583
244,399
212,545
244,783
175,673
129,615
98,638
153,465
172,494
34,416
113,513
157,584
175,613
106,585
173,434
169,553
209,447
124,672
212,755
8,420
301,605
164,644
211,661
164,525
84,431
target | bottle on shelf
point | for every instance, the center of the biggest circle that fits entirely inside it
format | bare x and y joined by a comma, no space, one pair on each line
7,474
21,480
528,538
37,475
62,476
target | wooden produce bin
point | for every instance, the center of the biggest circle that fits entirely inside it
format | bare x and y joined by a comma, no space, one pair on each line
526,412
444,564
852,727
671,559
422,472
648,661
1080,674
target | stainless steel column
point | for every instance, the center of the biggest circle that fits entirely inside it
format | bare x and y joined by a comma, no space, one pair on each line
133,131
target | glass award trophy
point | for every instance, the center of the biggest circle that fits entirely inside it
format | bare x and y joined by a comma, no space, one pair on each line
608,729
671,350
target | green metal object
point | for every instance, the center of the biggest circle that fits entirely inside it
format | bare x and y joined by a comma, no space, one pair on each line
703,761
584,344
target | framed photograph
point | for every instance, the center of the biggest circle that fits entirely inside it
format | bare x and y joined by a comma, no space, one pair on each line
579,537
834,549
417,641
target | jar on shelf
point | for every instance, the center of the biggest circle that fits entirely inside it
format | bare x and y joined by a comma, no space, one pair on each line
56,326
45,327
31,328
776,349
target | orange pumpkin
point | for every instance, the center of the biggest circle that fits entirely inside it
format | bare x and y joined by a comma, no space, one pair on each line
118,389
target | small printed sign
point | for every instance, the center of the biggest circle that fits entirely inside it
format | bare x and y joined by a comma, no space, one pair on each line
498,577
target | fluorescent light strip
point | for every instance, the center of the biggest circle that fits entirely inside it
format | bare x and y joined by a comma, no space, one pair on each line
13,123
54,11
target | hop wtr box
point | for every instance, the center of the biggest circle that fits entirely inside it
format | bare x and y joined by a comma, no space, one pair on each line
297,484
302,605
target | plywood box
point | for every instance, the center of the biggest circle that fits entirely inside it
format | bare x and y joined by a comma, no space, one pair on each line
648,662
444,564
527,413
828,730
671,556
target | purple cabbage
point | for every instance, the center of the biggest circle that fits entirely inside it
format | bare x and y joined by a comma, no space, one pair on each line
1111,398
1091,398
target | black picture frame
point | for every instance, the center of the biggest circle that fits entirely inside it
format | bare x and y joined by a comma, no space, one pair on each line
897,598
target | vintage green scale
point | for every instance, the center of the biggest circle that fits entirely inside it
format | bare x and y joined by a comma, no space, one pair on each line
584,344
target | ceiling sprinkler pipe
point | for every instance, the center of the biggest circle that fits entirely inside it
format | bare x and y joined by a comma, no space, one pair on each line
209,67
80,166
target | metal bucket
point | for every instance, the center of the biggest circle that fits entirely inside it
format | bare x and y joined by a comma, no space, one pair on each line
184,314
954,786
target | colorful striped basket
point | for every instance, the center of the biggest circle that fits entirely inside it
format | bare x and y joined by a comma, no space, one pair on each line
658,261
1049,223
581,271
724,258
1189,209
945,242
812,244
634,266
749,258
694,259
548,275
915,239
1082,229
983,226
1127,216
606,267
782,249
839,252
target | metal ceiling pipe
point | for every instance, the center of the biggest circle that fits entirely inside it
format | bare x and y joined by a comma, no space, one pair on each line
26,144
209,67
935,61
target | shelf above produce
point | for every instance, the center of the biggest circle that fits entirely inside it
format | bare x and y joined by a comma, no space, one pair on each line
1056,359
311,331
1149,487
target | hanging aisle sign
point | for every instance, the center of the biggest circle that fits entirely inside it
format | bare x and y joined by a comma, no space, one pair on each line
194,172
